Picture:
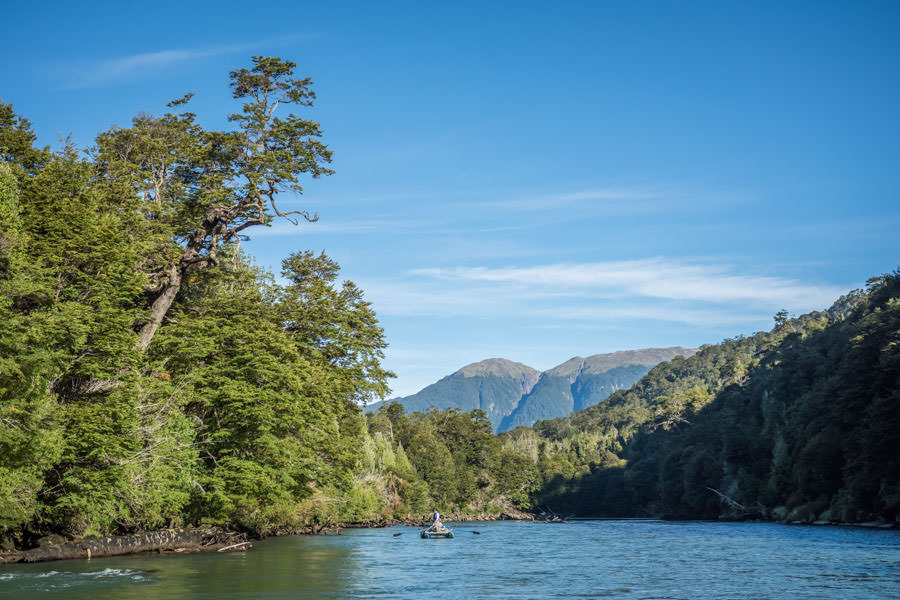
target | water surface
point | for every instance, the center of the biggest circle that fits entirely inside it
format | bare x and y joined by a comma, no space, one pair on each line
592,559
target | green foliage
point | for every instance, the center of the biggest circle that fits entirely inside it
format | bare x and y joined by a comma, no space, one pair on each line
29,427
243,409
17,149
334,325
450,459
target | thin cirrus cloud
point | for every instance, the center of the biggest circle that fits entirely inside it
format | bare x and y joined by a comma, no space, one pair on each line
542,308
600,294
609,315
620,201
135,66
660,278
636,199
382,226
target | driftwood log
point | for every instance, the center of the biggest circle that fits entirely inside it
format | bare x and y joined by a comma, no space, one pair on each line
547,515
728,499
189,539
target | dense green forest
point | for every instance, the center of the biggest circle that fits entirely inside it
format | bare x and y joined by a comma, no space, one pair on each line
152,375
799,423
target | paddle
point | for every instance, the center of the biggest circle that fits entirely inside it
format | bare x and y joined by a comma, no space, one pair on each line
473,531
469,530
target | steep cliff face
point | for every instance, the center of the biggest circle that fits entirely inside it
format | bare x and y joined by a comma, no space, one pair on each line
513,394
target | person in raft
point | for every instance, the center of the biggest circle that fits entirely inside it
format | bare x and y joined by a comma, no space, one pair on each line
435,518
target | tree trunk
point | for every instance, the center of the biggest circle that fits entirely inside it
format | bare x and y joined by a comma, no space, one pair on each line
160,307
189,262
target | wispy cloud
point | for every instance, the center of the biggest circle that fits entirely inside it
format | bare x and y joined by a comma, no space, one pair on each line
417,298
630,198
605,316
136,66
595,202
655,277
398,225
600,295
545,308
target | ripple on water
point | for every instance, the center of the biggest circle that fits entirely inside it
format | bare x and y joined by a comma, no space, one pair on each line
601,559
38,584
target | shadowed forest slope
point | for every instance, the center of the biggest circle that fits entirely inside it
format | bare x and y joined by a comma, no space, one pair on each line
797,423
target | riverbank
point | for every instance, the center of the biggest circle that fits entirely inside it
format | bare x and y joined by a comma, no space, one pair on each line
182,540
866,524
408,521
215,539
188,540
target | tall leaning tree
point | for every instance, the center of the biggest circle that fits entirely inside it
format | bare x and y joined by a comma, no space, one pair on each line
200,189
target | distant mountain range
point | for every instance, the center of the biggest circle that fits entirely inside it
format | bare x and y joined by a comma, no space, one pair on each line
513,394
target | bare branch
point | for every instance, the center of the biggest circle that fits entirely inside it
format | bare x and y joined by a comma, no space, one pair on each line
312,218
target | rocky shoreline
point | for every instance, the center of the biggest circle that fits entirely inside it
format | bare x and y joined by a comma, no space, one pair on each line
182,540
204,539
409,521
866,524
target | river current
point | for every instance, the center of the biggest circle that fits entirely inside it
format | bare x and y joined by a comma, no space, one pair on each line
587,559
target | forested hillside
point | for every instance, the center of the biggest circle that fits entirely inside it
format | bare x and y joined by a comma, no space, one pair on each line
797,423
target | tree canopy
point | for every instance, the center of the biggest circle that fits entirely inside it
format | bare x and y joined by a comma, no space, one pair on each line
244,404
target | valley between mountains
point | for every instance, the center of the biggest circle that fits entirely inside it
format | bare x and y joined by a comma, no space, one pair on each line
513,394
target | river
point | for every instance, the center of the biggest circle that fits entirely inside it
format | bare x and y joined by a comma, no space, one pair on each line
588,559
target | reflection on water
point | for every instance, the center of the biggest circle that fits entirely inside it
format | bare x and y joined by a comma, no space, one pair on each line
623,559
277,568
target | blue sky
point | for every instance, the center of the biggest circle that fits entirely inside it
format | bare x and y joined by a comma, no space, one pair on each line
534,180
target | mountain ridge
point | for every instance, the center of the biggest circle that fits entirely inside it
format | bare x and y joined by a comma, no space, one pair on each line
513,393
496,366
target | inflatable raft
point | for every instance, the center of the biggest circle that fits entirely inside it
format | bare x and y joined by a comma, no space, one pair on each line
436,531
